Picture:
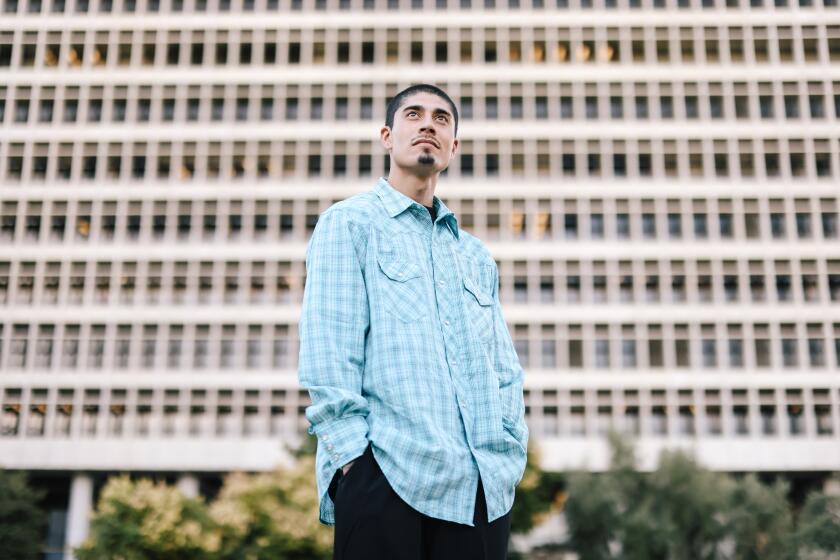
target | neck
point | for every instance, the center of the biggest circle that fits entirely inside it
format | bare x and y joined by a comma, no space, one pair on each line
420,189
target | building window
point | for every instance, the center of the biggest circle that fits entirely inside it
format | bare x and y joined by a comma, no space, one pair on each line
602,353
674,225
709,350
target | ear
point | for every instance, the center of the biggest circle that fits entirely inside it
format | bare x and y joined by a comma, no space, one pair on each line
455,144
385,138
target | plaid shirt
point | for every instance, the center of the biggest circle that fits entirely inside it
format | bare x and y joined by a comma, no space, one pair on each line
403,344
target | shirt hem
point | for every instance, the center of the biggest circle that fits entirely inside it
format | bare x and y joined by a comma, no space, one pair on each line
422,510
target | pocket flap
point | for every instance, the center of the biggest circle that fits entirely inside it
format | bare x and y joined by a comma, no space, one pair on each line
398,269
481,296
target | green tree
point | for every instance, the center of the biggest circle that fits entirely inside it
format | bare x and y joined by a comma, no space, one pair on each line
818,531
622,513
255,517
22,522
143,520
759,520
271,515
684,503
538,493
682,511
592,515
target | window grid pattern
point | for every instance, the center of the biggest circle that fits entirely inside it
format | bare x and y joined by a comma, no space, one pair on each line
47,49
83,7
80,143
228,413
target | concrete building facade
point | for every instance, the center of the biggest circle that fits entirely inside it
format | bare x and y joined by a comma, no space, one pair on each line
657,180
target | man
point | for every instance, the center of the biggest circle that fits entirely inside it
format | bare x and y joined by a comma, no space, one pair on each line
415,384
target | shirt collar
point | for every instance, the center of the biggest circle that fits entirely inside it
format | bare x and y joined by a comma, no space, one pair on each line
396,202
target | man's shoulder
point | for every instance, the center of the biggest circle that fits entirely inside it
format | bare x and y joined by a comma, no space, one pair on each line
361,208
351,217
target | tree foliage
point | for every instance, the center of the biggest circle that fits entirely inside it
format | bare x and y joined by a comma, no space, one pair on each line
818,534
759,520
139,520
682,511
21,520
271,515
254,517
538,493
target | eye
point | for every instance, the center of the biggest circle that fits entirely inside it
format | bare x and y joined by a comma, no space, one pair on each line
411,113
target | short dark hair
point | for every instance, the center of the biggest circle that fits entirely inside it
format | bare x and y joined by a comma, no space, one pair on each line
397,100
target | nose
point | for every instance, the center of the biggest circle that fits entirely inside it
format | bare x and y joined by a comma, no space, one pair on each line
428,124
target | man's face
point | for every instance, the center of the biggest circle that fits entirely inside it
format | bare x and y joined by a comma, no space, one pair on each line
422,140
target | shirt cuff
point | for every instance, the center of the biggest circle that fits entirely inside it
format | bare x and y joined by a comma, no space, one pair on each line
343,439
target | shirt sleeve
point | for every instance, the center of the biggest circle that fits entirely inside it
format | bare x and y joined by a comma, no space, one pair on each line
333,327
511,375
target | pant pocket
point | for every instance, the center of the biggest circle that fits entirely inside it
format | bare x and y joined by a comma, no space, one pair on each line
356,471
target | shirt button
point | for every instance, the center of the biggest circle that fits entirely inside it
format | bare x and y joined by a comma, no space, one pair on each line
453,361
446,323
440,282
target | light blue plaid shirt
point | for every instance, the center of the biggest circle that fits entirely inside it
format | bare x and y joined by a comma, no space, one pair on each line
403,344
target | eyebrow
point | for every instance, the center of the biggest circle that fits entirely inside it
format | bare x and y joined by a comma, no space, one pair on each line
421,108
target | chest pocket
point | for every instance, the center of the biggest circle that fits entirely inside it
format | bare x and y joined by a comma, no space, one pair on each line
400,284
479,304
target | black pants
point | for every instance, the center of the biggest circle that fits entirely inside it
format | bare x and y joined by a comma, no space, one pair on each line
373,523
